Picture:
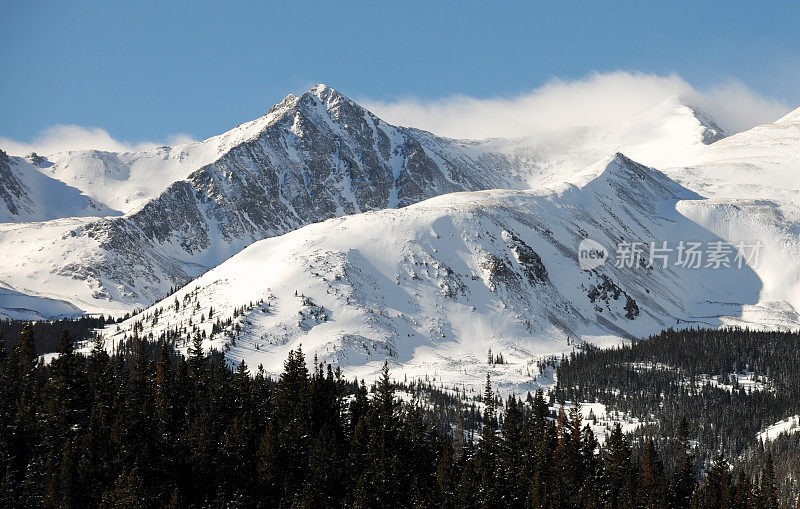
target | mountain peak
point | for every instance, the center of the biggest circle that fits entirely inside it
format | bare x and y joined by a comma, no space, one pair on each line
322,101
615,165
287,102
622,177
620,167
791,117
321,90
319,93
683,106
624,169
330,98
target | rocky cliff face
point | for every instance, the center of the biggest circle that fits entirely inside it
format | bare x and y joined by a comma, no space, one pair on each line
12,192
324,156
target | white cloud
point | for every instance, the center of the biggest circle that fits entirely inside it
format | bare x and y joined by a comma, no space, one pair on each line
598,99
60,138
595,100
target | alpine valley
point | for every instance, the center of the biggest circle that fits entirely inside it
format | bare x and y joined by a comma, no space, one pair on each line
320,224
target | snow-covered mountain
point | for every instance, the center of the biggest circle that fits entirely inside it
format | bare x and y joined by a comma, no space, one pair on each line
172,213
390,241
435,285
190,207
664,136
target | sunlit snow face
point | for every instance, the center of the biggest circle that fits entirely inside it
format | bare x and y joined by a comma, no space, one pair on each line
591,254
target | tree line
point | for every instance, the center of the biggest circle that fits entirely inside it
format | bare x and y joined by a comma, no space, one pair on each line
730,384
47,333
145,427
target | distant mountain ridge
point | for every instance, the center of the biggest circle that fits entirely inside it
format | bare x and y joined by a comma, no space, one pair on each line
28,195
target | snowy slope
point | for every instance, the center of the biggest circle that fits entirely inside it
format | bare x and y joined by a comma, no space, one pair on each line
28,195
433,286
665,136
19,306
787,426
752,184
761,163
126,181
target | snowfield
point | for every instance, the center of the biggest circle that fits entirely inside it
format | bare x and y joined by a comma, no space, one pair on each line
786,426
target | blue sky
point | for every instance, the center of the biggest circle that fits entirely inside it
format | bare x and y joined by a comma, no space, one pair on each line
147,70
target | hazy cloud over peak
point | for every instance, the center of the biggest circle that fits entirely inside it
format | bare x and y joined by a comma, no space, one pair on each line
595,100
60,138
598,99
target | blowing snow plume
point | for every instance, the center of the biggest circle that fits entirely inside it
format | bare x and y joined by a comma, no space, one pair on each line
598,99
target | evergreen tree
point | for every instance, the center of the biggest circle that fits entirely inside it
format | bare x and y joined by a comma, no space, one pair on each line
540,444
487,456
284,447
719,482
590,495
358,407
743,492
66,401
767,494
620,471
684,476
378,484
514,491
446,479
23,438
652,483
